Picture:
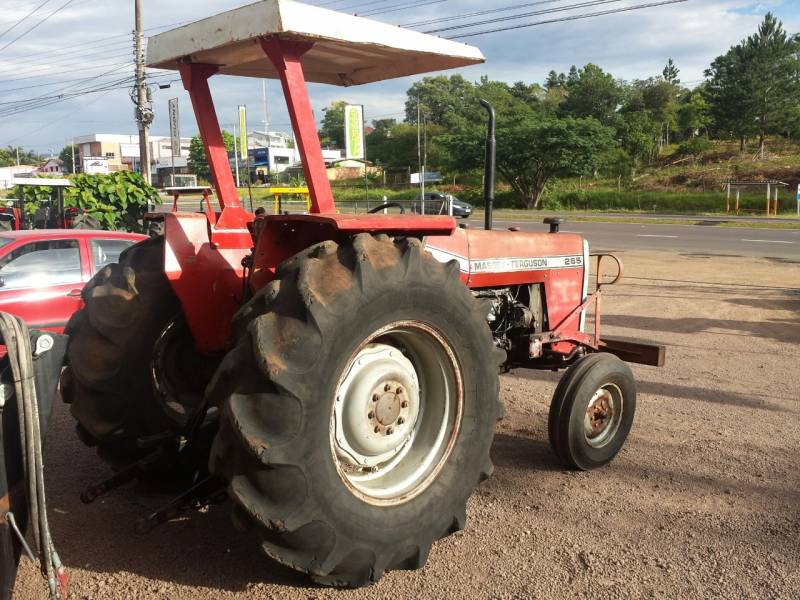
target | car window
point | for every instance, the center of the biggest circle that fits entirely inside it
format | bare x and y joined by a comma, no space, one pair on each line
5,240
107,251
41,264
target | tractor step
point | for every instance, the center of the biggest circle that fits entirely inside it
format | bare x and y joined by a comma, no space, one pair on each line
209,491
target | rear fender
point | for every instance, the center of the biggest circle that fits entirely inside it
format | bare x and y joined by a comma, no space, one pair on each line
204,267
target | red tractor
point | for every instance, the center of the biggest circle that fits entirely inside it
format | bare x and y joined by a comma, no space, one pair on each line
334,375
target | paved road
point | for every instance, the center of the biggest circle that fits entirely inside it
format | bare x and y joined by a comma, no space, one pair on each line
780,244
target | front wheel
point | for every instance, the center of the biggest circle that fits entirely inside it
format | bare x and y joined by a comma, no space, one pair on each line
358,409
592,411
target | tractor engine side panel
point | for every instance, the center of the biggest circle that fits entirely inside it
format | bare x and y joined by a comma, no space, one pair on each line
498,259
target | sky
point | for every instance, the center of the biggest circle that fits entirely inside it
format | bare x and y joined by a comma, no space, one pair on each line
87,44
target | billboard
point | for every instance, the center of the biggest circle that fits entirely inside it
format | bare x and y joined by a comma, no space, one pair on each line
95,165
354,131
243,132
174,128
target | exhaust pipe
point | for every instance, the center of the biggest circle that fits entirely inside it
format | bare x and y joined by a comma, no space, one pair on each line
488,178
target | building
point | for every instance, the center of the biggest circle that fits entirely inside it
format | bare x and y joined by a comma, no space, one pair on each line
7,174
52,166
122,153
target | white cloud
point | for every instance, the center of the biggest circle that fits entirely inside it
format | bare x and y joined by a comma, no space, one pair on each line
630,45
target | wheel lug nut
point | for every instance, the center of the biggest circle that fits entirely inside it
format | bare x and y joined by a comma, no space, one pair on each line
371,415
377,429
399,390
400,420
389,431
404,404
375,397
387,387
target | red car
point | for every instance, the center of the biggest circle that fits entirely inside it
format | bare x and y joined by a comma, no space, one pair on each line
42,271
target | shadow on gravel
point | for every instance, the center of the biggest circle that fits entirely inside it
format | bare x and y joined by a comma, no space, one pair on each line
777,330
521,452
688,392
199,550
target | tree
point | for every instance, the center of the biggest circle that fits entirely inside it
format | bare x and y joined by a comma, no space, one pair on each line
592,93
440,99
66,154
9,154
755,84
693,113
660,99
331,131
533,151
198,161
639,135
670,73
555,80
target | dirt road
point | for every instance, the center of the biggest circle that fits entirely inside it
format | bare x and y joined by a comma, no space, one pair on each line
704,501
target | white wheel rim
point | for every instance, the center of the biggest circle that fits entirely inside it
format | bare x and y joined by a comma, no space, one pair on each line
397,413
603,415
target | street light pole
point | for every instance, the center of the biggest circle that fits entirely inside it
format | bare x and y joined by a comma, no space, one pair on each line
141,95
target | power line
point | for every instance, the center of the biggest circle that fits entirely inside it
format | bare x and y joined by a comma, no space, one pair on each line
477,14
55,93
400,7
527,14
562,19
23,18
56,82
93,43
32,27
70,69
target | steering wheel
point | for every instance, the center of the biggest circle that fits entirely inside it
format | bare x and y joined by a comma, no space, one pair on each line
381,207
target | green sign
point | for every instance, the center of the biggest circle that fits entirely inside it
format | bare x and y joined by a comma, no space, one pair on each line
354,131
243,132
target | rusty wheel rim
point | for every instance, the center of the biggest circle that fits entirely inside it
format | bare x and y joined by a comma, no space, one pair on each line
397,413
603,415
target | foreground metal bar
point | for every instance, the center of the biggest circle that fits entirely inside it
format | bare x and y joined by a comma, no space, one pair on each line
195,81
285,56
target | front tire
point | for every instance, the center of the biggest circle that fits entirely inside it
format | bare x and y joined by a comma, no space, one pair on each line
592,411
358,408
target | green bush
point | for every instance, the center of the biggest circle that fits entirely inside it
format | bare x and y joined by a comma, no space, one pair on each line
695,146
118,200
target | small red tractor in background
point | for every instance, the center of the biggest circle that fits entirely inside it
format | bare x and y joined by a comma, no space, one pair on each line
50,212
335,375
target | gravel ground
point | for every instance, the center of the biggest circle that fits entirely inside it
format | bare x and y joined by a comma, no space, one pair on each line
703,502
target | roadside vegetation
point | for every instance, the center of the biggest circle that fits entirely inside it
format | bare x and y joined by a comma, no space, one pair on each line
590,141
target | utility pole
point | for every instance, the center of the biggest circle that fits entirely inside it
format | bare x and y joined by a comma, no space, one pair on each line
141,95
266,114
72,147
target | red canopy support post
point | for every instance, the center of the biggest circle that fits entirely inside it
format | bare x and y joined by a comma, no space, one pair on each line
285,56
195,81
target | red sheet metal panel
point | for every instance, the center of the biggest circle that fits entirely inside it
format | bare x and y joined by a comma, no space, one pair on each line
206,273
501,258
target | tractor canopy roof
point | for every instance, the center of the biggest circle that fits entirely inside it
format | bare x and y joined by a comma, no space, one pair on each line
347,50
41,182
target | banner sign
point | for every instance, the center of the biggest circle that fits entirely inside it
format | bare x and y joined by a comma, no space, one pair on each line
174,128
95,165
243,132
354,131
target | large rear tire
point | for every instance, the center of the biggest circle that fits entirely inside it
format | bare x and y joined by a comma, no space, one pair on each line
131,321
358,407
